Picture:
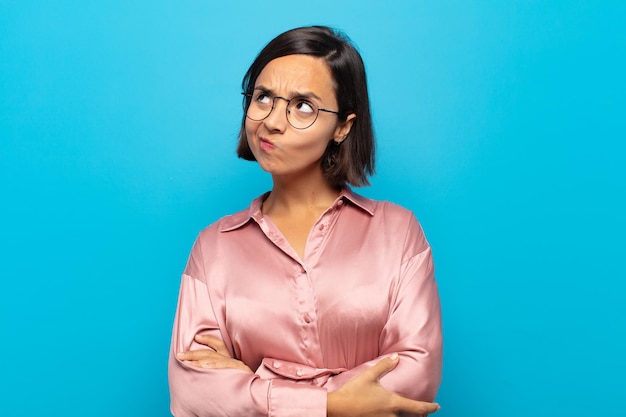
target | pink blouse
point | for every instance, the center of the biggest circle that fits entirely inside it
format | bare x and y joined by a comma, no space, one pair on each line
364,290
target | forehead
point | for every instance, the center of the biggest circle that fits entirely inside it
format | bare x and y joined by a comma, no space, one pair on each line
294,74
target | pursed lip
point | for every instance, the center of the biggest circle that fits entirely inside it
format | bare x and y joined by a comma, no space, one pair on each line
266,145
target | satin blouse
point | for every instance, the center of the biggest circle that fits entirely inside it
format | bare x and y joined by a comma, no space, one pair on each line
364,289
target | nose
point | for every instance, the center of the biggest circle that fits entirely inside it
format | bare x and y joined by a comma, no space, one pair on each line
277,119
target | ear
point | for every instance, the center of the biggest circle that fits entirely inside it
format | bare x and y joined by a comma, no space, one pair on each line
342,130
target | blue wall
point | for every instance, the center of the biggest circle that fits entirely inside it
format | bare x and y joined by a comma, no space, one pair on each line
501,124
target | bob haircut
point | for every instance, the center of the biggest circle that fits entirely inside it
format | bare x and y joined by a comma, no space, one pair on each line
352,161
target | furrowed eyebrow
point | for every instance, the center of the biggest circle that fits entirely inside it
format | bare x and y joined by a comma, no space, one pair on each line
295,94
308,95
264,89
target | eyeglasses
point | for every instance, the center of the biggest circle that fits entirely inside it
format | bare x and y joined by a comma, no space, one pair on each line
301,112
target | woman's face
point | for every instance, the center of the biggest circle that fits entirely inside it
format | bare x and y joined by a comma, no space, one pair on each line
278,147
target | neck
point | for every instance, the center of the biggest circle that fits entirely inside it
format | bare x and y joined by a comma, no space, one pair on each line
297,194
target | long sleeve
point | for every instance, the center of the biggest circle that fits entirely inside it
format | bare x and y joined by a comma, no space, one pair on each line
364,289
225,392
413,330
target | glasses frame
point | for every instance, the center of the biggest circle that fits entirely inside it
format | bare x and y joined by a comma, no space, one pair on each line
288,100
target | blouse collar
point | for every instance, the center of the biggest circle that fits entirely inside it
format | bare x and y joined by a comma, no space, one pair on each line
254,212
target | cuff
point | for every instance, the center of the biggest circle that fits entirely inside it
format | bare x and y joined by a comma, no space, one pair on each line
289,399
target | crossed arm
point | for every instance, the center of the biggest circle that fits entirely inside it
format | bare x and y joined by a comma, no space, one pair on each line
361,396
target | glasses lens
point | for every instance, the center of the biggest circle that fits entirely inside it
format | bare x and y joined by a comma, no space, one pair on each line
260,105
301,113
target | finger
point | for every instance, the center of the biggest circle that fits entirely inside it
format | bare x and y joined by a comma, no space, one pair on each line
214,343
195,355
222,363
210,357
415,407
205,363
383,367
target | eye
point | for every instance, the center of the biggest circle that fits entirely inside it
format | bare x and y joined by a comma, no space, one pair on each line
304,106
262,97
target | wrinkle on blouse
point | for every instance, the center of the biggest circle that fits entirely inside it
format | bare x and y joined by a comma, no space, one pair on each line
364,289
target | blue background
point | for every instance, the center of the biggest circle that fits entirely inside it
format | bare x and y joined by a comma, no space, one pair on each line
500,124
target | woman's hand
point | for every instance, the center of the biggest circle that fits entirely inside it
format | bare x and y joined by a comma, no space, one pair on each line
364,396
217,356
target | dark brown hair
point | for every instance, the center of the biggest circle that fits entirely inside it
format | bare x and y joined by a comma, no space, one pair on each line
352,161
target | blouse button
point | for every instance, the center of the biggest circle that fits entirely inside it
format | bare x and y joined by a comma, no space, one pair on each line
299,372
276,364
307,318
321,227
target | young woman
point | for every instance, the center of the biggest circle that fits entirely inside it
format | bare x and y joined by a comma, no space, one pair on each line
314,301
